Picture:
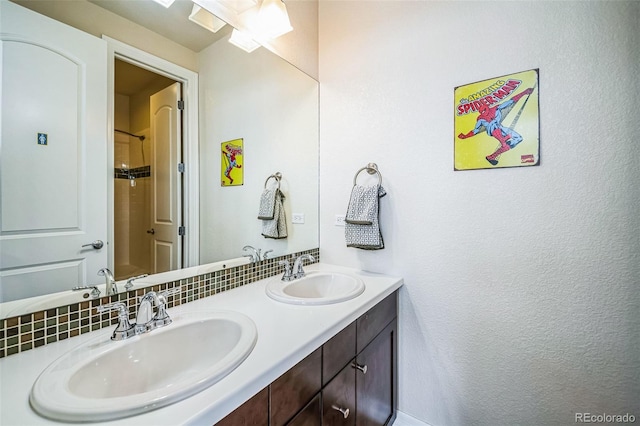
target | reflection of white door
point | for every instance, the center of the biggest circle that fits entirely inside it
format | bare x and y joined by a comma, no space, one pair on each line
53,164
166,188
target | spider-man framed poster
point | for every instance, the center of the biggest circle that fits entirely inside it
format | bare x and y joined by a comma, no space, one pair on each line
231,161
497,122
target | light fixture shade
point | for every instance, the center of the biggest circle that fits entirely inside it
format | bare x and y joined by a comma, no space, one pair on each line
165,3
272,20
206,19
243,41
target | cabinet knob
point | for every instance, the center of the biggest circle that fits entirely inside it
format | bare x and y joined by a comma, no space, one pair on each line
344,411
362,368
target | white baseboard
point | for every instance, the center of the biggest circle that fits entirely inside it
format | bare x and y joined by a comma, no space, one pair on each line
403,419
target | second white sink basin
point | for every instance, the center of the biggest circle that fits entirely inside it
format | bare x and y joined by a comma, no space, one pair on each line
316,288
104,379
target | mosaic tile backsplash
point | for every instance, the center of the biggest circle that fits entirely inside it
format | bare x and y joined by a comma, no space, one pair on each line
25,332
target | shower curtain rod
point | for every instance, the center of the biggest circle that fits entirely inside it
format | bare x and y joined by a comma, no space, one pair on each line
141,137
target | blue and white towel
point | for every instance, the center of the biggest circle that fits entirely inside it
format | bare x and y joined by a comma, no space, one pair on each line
362,227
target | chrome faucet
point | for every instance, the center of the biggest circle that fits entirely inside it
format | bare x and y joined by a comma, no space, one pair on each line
298,272
254,255
110,282
130,281
145,319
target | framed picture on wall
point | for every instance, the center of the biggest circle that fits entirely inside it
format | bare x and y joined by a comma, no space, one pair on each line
231,162
497,122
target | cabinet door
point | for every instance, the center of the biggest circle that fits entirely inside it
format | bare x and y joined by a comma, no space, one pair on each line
376,385
295,388
338,352
254,412
376,319
310,415
339,399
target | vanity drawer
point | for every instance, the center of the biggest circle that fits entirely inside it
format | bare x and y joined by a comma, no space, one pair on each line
338,351
375,320
295,388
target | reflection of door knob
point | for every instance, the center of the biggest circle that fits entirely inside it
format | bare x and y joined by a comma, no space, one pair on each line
151,231
97,244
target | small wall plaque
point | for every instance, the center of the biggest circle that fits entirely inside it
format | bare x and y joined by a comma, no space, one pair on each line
43,139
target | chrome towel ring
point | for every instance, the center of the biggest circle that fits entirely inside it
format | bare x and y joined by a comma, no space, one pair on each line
371,168
277,176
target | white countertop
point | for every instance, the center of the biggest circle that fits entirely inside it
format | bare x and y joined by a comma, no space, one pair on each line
286,334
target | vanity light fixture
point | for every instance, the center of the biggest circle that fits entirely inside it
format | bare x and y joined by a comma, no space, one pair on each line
272,19
206,19
165,3
243,40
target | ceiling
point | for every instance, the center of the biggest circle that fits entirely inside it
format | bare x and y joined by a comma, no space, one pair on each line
172,23
130,80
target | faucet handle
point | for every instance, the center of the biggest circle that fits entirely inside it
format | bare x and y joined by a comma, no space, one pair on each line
124,329
130,281
288,276
170,292
95,293
162,318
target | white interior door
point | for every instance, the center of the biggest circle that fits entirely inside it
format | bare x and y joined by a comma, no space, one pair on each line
166,187
53,173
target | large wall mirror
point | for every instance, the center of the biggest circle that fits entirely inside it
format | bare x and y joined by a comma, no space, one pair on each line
256,98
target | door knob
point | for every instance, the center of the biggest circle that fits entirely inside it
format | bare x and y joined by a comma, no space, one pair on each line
151,231
97,244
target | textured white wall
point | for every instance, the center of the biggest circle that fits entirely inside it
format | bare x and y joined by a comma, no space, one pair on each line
273,106
521,300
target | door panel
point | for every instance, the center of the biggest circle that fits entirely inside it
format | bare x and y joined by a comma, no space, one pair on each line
166,191
53,190
375,388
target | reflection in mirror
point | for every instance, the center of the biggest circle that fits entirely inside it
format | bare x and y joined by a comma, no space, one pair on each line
273,108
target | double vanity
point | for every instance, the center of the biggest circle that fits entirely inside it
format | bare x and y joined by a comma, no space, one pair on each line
319,346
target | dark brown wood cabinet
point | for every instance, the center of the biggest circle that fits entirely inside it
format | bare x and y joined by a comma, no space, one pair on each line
254,412
375,389
311,415
351,380
295,388
339,399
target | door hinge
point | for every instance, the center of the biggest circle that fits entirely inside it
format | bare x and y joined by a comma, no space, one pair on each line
181,105
181,231
180,167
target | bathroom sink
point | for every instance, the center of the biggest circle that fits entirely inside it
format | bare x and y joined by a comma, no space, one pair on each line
316,288
105,379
